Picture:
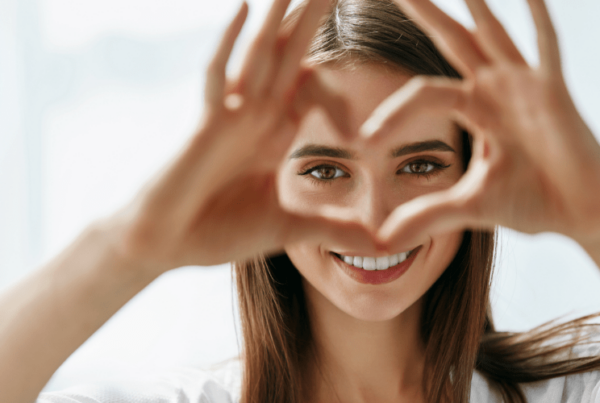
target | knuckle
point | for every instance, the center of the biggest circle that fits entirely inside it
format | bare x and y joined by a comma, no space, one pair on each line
213,70
280,43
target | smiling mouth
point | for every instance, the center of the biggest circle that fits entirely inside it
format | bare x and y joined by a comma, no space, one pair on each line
375,263
376,270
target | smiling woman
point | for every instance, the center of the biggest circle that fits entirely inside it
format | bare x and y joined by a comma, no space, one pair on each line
416,317
356,179
363,302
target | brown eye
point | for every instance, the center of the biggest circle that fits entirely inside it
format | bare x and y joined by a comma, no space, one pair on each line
420,167
325,172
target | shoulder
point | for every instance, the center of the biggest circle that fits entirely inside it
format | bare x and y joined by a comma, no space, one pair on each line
581,388
577,388
182,385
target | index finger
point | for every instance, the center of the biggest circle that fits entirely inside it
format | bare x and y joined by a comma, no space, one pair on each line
296,46
330,226
256,69
547,39
495,40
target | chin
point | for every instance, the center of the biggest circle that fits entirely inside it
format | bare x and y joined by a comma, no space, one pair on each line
374,308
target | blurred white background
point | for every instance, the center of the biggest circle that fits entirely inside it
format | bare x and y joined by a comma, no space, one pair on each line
96,96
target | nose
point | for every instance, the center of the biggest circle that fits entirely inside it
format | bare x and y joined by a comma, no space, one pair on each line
374,204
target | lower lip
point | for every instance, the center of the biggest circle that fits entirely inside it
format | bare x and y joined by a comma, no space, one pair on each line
376,277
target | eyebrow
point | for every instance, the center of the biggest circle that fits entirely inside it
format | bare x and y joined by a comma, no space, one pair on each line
316,150
412,148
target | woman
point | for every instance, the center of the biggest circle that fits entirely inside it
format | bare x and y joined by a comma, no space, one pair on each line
363,261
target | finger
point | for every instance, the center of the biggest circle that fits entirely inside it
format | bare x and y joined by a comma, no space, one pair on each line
419,219
494,39
336,232
315,92
420,95
453,39
216,70
296,46
547,38
257,67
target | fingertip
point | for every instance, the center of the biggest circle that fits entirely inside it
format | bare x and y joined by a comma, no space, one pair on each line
370,130
365,133
384,234
244,10
234,101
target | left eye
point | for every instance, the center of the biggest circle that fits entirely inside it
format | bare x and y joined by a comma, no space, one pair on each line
326,172
418,167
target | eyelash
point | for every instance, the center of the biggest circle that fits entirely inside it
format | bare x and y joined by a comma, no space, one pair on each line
437,168
317,180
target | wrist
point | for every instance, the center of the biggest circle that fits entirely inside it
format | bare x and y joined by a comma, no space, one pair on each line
111,233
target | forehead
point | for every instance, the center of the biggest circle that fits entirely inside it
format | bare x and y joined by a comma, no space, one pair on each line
364,87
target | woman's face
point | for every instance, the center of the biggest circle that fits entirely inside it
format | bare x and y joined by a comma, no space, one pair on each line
368,183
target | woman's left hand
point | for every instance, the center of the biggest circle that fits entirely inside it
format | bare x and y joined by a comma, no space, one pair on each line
535,165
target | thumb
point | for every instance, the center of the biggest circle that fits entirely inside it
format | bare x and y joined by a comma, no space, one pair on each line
332,227
432,214
313,91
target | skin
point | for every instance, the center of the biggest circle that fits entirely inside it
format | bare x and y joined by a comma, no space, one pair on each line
536,167
368,334
535,164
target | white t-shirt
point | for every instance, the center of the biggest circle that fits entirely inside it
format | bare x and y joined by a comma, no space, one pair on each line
189,385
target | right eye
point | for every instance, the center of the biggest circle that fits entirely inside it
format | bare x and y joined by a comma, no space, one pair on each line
325,172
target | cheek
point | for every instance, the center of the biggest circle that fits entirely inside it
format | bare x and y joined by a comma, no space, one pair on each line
310,262
440,254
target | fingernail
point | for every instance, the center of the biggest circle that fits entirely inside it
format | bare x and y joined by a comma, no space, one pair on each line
234,101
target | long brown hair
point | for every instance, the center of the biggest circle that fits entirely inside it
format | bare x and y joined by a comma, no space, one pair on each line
456,322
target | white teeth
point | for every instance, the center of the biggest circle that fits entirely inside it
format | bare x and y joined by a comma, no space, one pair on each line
369,263
383,263
372,263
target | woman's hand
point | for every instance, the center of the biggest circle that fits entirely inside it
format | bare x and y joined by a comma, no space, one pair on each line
217,201
535,165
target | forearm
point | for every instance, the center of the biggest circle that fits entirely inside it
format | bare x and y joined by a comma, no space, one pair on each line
47,316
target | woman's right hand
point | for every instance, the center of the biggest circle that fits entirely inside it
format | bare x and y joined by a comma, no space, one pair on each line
217,202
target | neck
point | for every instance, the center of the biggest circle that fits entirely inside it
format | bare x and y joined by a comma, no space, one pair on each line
364,361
